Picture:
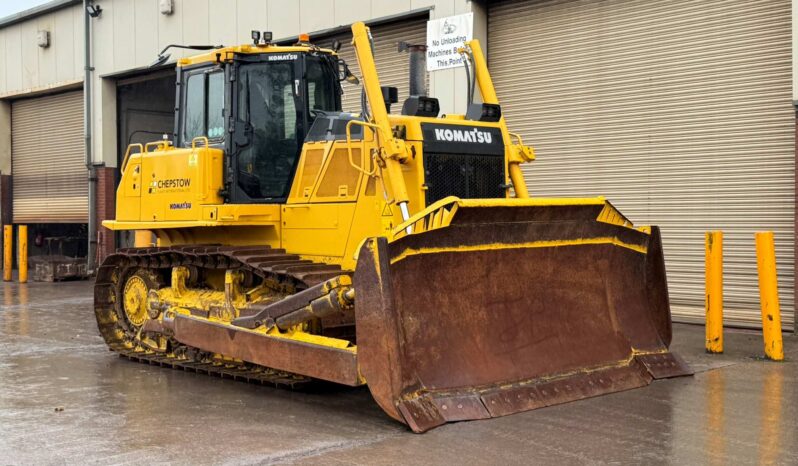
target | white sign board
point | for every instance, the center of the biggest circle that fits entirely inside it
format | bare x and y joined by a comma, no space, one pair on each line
444,37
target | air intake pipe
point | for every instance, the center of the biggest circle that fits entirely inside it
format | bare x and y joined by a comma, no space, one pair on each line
418,67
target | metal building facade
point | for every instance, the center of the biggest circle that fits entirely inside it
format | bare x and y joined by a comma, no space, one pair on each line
680,113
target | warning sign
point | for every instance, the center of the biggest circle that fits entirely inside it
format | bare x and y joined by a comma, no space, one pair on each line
444,37
387,212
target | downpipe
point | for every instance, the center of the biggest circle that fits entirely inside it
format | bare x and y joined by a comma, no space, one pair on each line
91,256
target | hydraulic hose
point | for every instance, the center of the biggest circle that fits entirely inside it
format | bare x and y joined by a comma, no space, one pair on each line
468,78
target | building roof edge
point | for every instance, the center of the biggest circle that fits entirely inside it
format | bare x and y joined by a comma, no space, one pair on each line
31,13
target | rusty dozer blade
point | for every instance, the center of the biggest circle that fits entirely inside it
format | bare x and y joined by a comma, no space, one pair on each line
511,306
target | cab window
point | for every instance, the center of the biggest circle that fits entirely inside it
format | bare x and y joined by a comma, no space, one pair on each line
267,102
204,106
321,85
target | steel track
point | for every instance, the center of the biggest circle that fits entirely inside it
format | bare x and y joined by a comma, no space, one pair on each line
285,273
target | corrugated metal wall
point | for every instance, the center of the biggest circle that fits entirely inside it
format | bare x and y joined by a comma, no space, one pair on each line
393,67
679,112
50,181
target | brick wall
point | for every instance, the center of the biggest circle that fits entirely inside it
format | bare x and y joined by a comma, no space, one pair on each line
106,209
6,207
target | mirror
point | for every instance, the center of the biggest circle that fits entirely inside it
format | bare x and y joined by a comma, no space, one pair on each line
345,75
160,60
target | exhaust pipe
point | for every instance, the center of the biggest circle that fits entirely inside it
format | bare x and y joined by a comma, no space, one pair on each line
418,67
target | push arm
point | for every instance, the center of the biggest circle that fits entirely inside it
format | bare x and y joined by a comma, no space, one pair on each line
394,151
518,152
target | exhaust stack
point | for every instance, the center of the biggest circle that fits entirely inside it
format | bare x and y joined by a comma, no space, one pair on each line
418,67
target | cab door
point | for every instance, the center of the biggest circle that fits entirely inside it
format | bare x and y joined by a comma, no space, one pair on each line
269,125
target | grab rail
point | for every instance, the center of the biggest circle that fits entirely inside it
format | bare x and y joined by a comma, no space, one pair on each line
199,138
127,155
349,145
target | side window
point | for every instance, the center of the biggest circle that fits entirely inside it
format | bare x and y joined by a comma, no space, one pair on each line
194,125
204,107
321,86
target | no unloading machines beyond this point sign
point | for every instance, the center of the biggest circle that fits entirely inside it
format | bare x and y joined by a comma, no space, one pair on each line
444,37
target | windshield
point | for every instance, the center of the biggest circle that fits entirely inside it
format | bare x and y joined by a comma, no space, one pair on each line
267,101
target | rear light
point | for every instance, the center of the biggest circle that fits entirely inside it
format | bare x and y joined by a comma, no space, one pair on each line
419,105
484,112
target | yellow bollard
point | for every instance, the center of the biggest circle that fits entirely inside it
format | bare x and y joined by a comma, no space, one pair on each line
8,234
769,295
22,258
714,291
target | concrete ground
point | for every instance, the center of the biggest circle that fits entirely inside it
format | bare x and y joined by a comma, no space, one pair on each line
737,409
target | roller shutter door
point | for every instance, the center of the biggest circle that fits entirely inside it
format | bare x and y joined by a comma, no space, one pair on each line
678,112
49,174
392,66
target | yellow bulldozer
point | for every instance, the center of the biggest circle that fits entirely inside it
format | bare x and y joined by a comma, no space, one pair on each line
286,241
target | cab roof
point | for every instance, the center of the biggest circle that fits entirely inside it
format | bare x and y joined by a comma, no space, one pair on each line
226,53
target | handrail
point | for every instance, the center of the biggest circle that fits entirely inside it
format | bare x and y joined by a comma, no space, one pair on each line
200,138
516,136
156,144
349,145
127,155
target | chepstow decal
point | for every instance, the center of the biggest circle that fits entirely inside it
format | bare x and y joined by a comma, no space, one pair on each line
174,183
463,135
170,185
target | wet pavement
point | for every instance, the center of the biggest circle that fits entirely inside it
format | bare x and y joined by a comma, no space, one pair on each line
737,409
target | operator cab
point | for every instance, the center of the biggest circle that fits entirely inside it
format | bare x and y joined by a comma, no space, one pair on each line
257,103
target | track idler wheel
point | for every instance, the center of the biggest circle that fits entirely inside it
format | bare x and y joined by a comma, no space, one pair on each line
134,297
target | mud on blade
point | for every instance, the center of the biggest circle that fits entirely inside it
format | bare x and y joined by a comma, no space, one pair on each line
511,308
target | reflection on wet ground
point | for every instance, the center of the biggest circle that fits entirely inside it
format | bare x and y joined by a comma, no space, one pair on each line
737,409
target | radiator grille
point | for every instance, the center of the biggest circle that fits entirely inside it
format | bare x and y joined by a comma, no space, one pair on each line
464,176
